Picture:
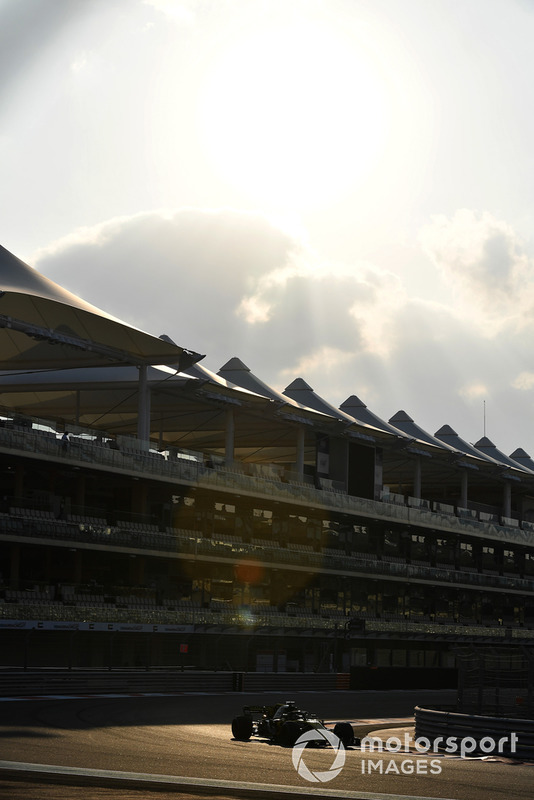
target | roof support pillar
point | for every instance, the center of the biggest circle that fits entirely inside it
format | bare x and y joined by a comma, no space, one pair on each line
463,488
300,452
80,491
20,473
229,436
77,571
143,408
417,477
14,566
507,499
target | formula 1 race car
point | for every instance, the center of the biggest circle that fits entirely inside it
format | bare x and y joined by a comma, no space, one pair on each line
283,723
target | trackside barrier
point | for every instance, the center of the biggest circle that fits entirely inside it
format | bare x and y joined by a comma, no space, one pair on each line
26,683
431,724
293,682
46,682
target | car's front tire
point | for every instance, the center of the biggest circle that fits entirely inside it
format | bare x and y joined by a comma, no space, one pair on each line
242,728
344,732
289,733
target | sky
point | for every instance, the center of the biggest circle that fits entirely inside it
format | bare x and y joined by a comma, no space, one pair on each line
338,190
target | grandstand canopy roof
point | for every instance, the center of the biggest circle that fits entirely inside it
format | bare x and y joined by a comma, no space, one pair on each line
43,326
187,408
405,423
523,459
487,447
239,374
300,392
49,338
449,436
356,409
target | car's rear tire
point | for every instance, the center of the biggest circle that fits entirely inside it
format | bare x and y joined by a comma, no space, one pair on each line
289,733
242,728
344,732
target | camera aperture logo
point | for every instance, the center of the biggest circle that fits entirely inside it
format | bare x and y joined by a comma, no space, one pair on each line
318,736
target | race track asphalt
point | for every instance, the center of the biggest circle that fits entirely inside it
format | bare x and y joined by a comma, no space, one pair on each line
190,736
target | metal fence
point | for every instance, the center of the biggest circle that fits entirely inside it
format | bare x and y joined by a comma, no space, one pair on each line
496,680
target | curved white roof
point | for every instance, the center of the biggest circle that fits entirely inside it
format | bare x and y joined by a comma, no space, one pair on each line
523,459
359,412
449,436
302,392
406,424
49,336
487,447
44,326
237,373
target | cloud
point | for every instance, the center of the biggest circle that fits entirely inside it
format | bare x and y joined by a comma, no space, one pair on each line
180,11
524,381
325,360
331,302
28,30
228,283
483,259
180,272
474,391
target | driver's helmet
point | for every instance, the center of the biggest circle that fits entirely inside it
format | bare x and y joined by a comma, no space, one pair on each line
287,711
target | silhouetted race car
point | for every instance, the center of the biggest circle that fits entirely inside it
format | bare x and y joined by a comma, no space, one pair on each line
283,723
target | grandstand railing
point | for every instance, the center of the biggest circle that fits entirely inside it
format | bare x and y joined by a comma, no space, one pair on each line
189,542
190,469
242,618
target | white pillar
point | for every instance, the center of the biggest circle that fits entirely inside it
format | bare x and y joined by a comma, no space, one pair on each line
507,499
143,408
300,452
229,436
417,477
463,489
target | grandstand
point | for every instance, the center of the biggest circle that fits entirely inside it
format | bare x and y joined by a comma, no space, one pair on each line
157,514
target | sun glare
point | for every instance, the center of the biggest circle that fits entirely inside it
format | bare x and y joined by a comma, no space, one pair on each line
294,117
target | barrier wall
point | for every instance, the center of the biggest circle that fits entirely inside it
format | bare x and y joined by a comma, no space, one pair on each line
403,678
70,682
510,737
